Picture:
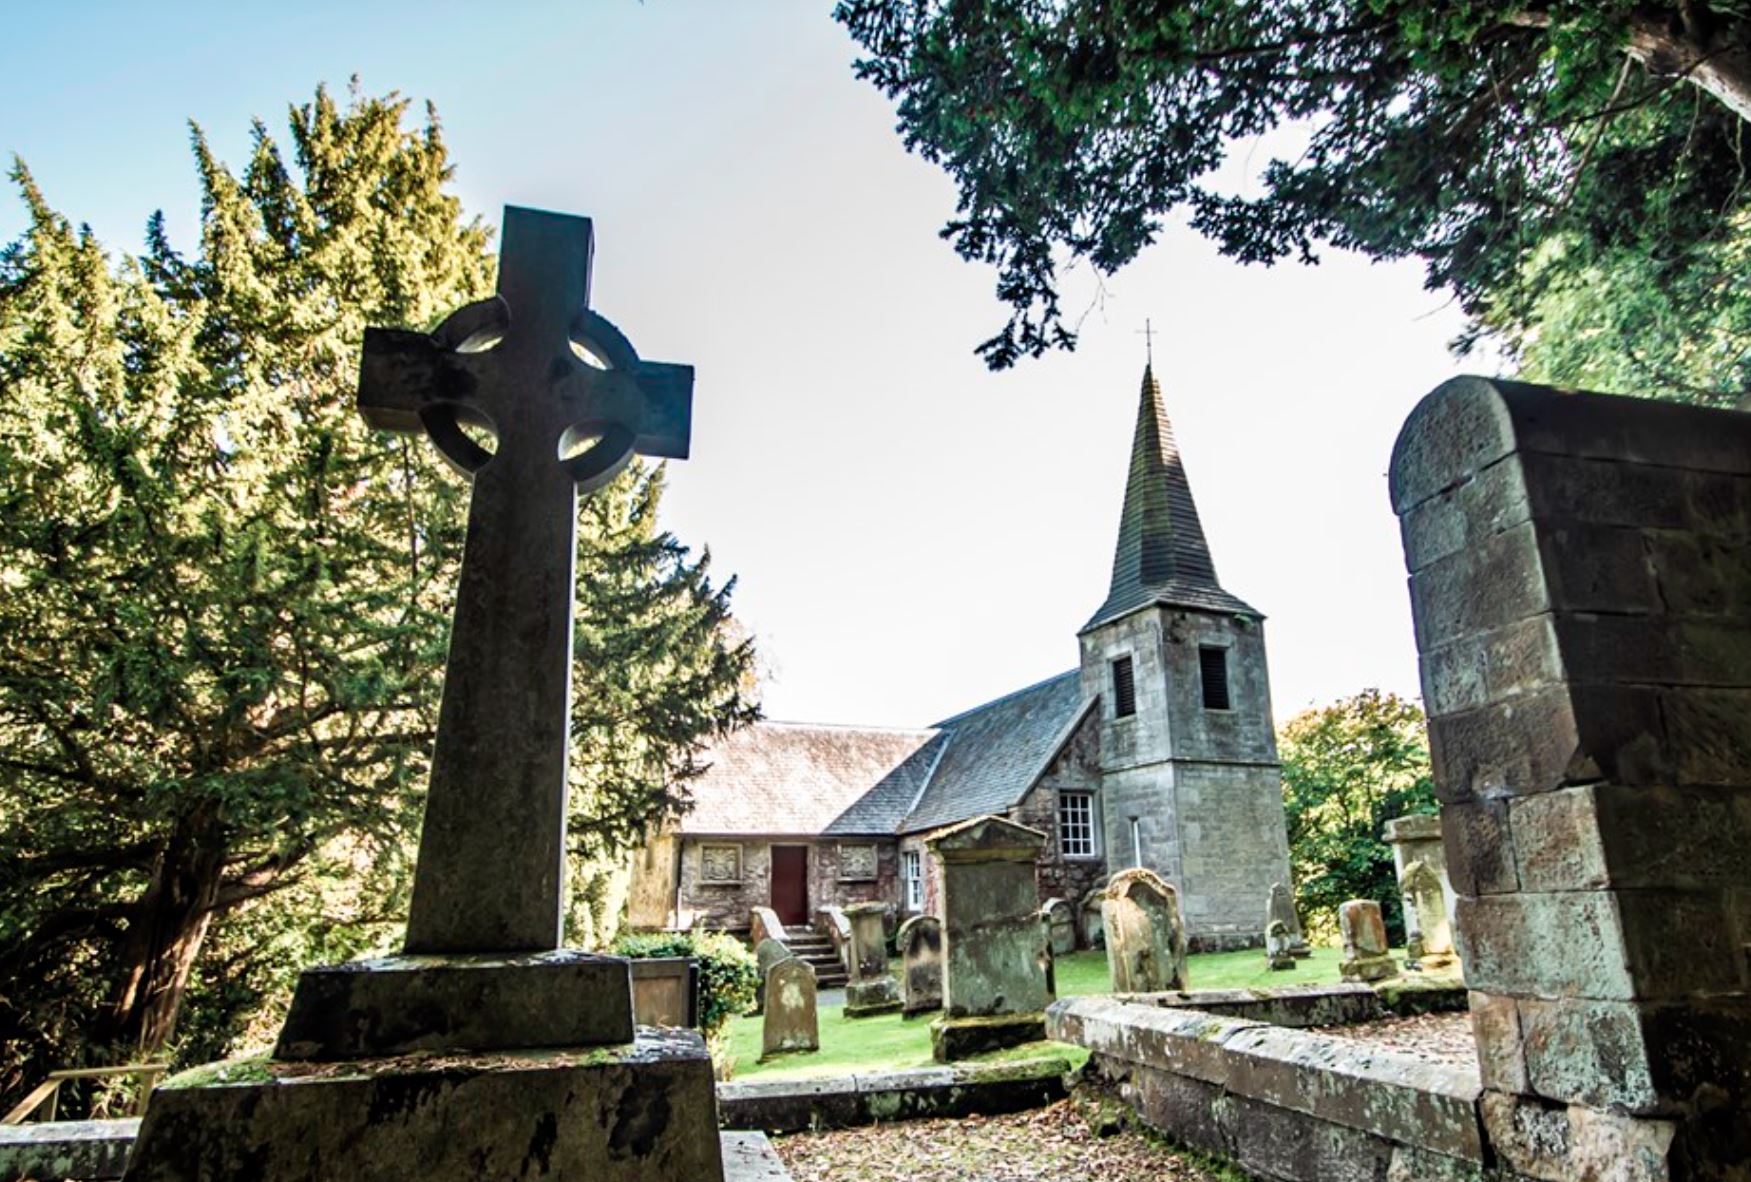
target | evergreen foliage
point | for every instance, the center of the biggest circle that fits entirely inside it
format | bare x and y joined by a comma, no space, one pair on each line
1348,768
224,600
1467,134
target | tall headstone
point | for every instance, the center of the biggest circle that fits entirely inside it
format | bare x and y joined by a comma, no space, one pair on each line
920,944
791,1021
872,989
997,970
1427,901
1366,955
1060,920
1580,583
1281,908
1416,838
1146,938
486,1051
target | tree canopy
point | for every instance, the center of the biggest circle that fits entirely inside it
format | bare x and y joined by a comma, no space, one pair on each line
224,600
1471,135
1348,768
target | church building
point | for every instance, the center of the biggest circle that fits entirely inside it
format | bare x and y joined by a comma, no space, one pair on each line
1157,751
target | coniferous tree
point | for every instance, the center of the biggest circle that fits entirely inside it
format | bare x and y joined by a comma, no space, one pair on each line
224,600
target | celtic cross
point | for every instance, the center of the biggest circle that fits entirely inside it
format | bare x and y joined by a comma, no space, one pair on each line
569,403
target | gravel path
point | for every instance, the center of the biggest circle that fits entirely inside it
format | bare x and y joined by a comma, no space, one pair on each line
1437,1037
1046,1145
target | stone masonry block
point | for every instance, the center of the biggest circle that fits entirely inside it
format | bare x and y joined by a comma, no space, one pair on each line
1544,945
1695,837
1596,568
1491,502
1561,1144
1609,491
1479,848
1709,731
1496,582
1701,575
1662,651
1501,1055
1557,844
1520,658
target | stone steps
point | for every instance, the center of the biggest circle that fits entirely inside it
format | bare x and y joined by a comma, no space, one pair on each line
817,950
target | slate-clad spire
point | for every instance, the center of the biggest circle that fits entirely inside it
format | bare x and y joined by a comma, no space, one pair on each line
1161,556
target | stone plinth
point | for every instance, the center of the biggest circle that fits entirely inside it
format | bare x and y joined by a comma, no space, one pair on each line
637,1111
996,963
400,1004
872,988
1146,939
1581,587
920,944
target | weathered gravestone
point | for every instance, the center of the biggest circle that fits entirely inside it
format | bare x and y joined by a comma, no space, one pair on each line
1427,901
1279,946
766,954
1094,935
1281,907
920,943
1060,920
1366,955
1417,839
997,970
791,1022
872,989
1581,586
1146,939
434,1069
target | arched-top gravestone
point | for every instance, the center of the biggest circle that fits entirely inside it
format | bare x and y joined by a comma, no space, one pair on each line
1060,920
920,945
767,953
1146,938
792,1021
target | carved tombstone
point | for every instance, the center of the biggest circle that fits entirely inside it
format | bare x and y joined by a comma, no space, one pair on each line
1279,946
476,1019
997,970
766,954
1417,838
872,989
1060,920
1426,899
1146,939
791,1022
920,943
1366,956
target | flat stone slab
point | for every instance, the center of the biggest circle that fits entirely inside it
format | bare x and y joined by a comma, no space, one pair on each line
1290,1005
397,1005
53,1150
749,1157
870,1097
642,1112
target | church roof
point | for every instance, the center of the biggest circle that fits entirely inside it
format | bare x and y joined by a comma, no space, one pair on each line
797,779
995,752
1161,556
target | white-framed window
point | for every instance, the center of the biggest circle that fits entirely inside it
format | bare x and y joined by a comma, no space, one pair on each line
720,863
912,873
1076,825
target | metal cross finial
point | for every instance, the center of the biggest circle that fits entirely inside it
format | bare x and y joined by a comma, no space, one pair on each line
547,377
1148,335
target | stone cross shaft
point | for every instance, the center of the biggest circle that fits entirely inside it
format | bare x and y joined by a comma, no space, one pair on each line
546,376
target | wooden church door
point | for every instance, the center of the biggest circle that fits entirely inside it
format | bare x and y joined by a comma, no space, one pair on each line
790,883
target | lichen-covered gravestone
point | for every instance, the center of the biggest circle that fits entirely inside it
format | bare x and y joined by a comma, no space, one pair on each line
997,970
766,954
1146,939
485,1051
1366,956
1281,907
1060,920
1094,934
872,989
1416,838
1425,899
920,944
791,1022
1279,948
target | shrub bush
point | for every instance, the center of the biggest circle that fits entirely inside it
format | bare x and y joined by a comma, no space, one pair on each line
727,971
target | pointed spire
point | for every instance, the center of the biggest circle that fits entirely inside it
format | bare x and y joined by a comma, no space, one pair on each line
1161,556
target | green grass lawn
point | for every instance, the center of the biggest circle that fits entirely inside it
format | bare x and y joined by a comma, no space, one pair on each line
891,1042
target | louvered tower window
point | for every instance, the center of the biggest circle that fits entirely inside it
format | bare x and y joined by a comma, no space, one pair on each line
1124,689
1213,670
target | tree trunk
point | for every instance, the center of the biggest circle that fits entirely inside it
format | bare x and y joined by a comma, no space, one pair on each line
1705,61
165,930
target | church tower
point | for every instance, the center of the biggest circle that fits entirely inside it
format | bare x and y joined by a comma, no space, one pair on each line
1190,783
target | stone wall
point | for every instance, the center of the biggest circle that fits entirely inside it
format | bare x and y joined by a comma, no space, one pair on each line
728,904
1581,587
1077,768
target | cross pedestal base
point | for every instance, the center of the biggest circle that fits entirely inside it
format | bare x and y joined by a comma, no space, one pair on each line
643,1111
397,1005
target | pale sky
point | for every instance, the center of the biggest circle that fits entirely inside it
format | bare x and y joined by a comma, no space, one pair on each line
912,534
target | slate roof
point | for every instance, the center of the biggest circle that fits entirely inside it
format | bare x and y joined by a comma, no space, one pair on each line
798,779
1161,556
995,752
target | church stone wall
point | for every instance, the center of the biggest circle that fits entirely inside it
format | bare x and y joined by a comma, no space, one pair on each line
1233,847
1144,737
728,904
1246,732
1077,768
